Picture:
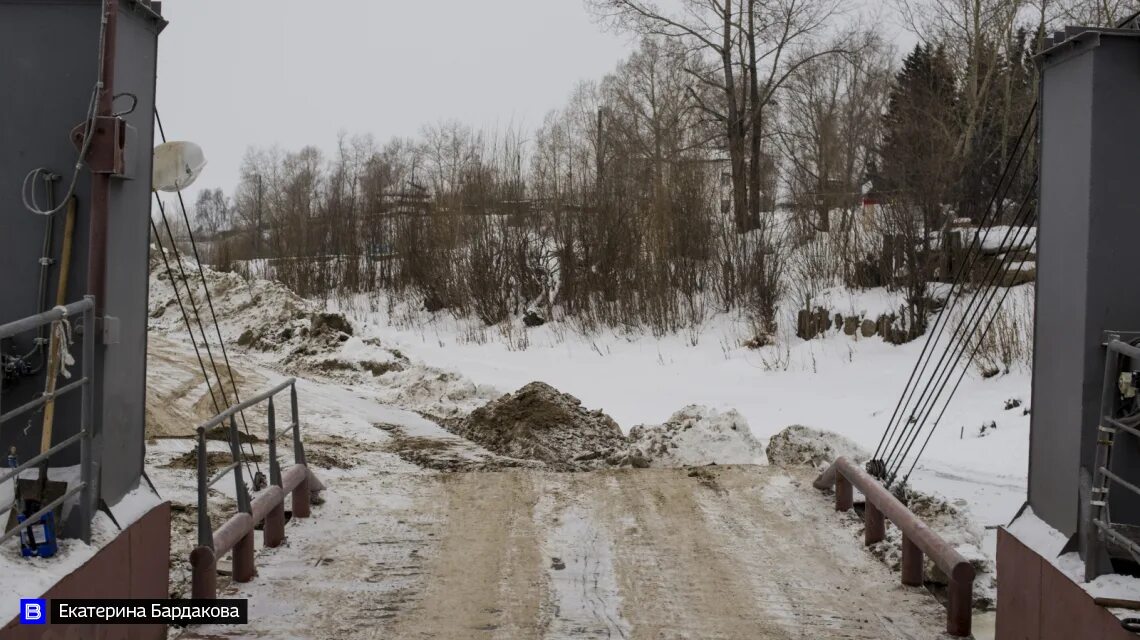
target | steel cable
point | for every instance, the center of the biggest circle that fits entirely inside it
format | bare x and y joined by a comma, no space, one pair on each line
991,286
961,376
209,298
939,323
970,316
198,321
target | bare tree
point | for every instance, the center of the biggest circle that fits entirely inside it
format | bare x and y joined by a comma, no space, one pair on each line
751,49
211,212
1092,13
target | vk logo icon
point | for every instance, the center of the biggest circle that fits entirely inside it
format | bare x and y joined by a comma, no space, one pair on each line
33,611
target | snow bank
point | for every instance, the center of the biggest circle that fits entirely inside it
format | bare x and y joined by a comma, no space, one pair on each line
441,394
798,445
265,316
263,311
697,436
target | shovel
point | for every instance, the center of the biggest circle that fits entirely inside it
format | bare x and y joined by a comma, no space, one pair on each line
31,493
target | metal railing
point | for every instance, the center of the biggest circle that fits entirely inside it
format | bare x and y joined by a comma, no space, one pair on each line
236,534
1098,525
917,539
85,486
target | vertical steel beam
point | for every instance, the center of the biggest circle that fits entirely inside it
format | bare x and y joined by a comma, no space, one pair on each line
239,480
101,181
302,498
205,530
244,568
274,529
960,614
274,467
87,425
298,447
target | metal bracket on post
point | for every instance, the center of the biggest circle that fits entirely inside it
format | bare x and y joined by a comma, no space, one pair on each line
239,481
274,467
108,144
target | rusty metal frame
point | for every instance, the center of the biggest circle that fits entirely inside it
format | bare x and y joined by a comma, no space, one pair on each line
268,507
918,539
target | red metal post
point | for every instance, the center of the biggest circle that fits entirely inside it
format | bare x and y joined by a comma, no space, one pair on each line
874,524
844,493
244,569
101,182
960,614
204,576
918,540
912,568
275,525
301,498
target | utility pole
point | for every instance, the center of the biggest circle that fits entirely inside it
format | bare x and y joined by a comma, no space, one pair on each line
257,232
600,161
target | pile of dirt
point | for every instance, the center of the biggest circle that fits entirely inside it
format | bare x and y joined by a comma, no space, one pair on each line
538,422
697,436
214,460
328,459
799,446
449,454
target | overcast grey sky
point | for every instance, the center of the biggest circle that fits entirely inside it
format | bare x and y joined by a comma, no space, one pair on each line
264,72
236,73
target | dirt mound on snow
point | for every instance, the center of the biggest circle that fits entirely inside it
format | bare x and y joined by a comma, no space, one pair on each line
798,445
538,422
697,436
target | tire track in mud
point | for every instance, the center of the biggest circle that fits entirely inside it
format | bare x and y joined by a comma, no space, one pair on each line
717,554
584,596
676,580
486,579
810,582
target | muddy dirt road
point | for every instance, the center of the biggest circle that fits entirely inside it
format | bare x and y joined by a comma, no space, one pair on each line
401,550
727,553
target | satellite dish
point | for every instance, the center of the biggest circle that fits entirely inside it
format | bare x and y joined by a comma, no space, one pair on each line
177,165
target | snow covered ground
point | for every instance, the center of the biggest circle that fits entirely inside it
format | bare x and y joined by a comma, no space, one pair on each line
400,551
848,385
408,362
